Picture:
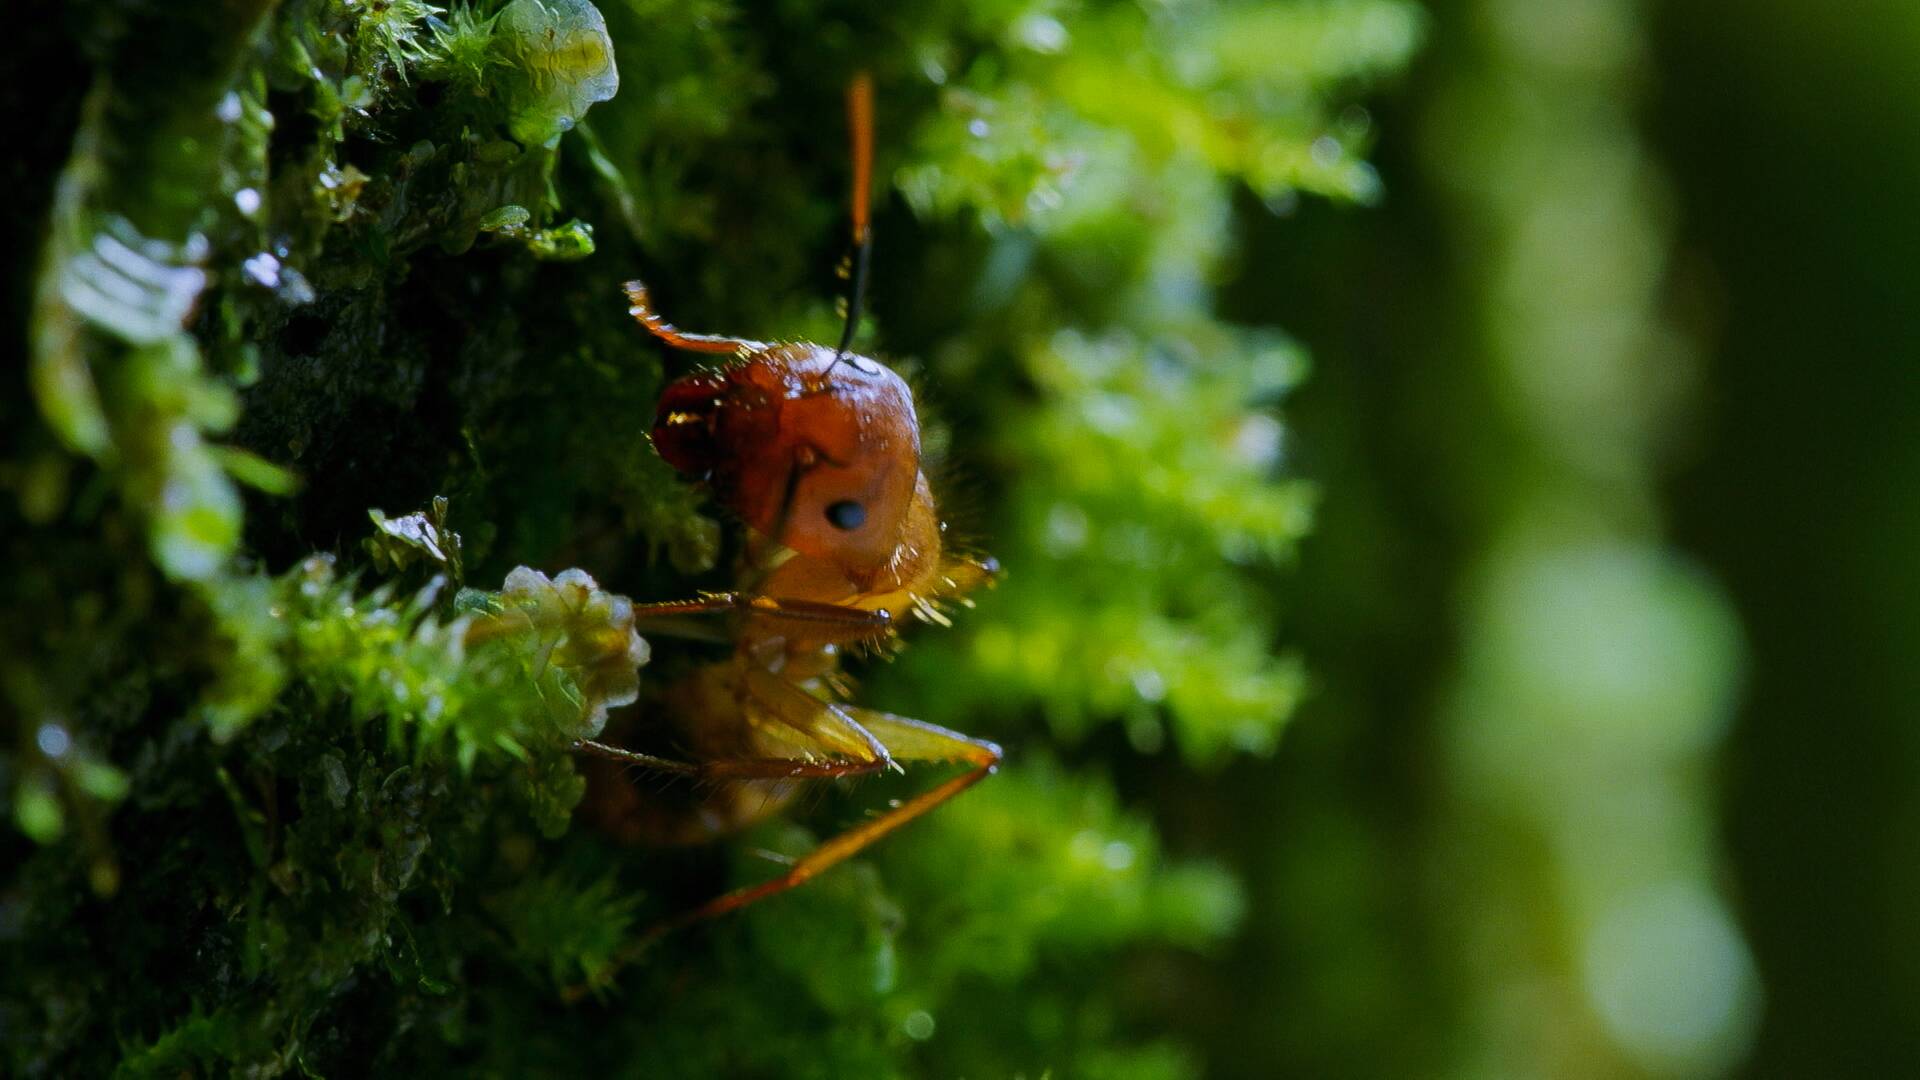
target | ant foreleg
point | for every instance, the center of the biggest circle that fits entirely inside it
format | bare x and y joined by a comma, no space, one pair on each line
810,619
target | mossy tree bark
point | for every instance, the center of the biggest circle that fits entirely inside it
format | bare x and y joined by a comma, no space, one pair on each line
299,262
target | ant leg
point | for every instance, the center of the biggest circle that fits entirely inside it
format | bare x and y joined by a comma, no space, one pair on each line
818,723
734,768
826,624
908,740
814,739
913,740
916,740
641,308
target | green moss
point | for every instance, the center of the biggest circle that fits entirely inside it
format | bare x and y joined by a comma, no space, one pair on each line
560,61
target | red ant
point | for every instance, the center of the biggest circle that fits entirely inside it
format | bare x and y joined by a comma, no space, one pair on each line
818,452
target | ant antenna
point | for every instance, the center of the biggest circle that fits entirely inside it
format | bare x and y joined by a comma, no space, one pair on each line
860,132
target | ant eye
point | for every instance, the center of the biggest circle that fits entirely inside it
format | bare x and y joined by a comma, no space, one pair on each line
846,515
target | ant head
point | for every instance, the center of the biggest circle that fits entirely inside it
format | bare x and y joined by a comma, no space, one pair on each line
820,454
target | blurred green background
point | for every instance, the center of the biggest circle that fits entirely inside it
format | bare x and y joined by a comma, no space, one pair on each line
1449,460
1613,401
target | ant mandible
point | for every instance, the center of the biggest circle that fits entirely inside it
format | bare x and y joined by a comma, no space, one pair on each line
817,451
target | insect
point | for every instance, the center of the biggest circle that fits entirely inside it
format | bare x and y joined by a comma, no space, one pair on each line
817,451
